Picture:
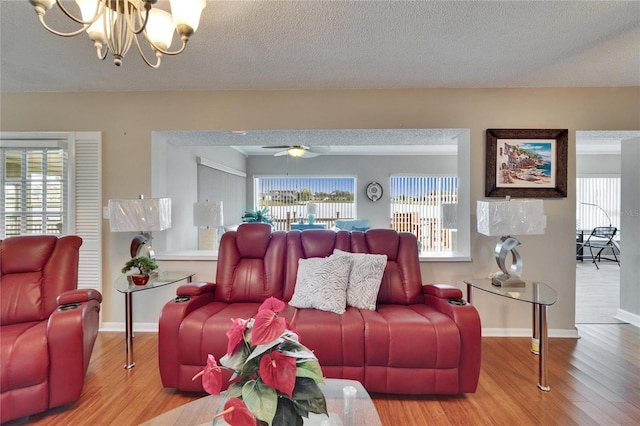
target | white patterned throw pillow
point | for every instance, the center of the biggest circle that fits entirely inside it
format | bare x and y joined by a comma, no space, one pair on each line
364,279
321,283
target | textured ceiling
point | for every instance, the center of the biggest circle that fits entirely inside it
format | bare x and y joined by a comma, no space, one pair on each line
283,45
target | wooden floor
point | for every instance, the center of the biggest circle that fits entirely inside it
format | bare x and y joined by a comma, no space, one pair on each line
594,380
597,292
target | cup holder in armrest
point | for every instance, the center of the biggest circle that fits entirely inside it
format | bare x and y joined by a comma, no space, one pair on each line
458,302
181,299
69,307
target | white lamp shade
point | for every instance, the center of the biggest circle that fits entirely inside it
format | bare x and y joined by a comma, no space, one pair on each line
160,28
208,214
312,208
187,12
450,216
514,217
143,215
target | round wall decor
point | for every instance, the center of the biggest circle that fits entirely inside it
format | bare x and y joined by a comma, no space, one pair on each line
374,191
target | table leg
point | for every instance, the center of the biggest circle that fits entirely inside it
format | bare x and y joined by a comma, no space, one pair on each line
535,337
469,293
542,366
128,334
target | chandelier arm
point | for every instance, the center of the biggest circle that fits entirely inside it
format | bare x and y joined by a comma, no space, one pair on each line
166,52
58,33
100,5
136,12
144,58
101,55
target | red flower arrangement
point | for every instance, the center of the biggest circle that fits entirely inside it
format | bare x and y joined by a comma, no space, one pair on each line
275,376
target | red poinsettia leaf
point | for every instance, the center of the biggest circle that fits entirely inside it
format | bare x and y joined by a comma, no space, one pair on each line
237,413
272,304
267,327
279,372
235,335
212,376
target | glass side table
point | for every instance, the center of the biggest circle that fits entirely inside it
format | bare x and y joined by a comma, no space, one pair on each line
541,296
124,285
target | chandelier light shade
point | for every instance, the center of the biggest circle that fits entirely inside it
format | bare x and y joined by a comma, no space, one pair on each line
208,217
117,24
506,218
142,215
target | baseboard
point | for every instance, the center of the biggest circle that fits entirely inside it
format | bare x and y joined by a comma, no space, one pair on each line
526,332
144,327
626,316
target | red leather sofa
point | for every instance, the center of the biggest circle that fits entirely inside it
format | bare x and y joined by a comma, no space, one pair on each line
47,326
421,339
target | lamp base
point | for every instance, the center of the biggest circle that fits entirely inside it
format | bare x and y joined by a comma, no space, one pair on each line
505,280
207,239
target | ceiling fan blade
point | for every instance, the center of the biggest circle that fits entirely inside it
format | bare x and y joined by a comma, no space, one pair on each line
281,153
320,149
309,154
277,146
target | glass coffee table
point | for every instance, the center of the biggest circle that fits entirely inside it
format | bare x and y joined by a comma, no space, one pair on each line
343,411
541,296
124,285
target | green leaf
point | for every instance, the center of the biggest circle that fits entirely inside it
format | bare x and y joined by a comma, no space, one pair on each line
261,400
236,360
234,390
286,414
310,369
308,396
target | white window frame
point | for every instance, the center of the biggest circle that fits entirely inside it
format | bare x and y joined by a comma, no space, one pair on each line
84,186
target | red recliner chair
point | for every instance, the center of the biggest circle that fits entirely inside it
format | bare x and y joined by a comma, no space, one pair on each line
47,325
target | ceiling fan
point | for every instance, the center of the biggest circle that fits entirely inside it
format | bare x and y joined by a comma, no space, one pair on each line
303,151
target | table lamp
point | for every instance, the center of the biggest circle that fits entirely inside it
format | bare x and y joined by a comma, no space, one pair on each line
207,216
311,212
142,215
506,218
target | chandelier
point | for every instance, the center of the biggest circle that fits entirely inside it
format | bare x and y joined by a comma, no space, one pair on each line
118,23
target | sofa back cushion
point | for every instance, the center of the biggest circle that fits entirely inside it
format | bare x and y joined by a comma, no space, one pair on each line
34,270
402,280
307,244
250,264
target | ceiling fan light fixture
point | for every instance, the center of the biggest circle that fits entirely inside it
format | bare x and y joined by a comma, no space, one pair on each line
117,23
296,151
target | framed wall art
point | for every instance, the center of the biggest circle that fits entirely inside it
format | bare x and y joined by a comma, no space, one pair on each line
526,163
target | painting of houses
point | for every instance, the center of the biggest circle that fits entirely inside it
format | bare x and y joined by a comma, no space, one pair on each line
525,163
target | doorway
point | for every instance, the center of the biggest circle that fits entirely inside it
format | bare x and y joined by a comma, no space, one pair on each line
598,160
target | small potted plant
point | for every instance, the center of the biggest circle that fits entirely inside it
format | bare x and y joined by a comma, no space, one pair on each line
144,265
260,215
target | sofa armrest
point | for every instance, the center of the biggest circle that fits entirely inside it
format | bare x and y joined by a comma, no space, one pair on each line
189,298
443,291
78,296
448,300
195,289
71,333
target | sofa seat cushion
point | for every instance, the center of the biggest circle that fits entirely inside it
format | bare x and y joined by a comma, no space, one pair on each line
336,340
19,367
412,336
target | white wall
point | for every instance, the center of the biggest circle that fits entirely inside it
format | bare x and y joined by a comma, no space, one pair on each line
135,116
630,238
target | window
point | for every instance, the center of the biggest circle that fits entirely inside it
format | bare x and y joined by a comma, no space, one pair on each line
34,191
51,184
421,204
287,198
598,202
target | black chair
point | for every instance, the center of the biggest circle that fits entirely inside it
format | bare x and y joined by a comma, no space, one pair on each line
601,239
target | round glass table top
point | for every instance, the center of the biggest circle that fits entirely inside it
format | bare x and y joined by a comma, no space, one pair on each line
124,284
